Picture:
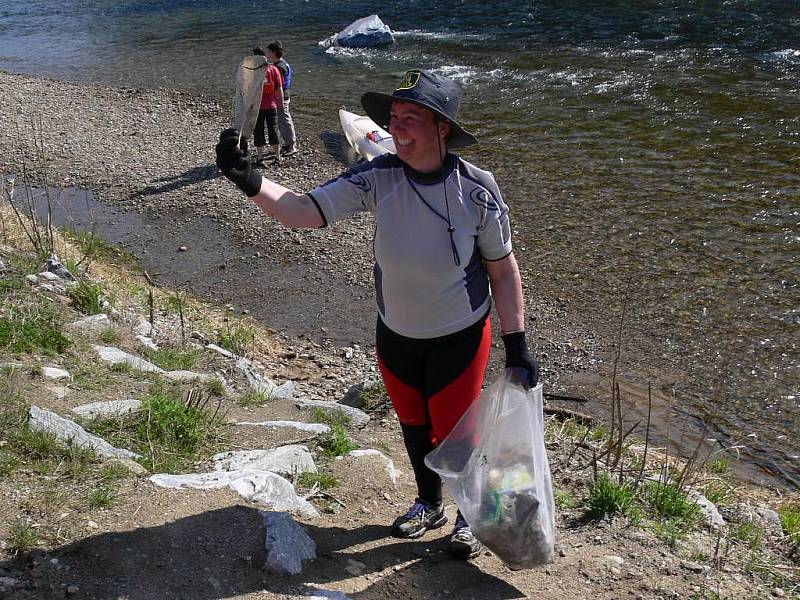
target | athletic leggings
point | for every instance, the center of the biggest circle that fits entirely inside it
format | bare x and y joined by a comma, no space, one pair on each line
431,382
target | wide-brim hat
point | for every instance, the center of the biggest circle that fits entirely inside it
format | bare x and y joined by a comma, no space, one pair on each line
434,92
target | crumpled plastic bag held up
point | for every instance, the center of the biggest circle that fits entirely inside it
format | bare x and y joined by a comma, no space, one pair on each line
495,466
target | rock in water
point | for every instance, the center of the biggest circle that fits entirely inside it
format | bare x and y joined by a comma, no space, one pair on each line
367,32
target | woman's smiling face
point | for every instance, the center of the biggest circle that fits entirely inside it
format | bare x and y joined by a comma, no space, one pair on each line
418,136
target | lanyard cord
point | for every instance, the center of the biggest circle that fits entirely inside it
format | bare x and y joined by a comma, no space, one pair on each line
450,228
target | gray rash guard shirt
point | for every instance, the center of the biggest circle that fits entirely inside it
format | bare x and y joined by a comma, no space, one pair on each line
424,226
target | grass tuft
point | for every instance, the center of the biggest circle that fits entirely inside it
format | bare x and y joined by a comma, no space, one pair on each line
109,336
88,297
170,435
31,329
608,497
215,386
563,498
326,481
374,395
253,398
23,538
173,359
790,521
102,497
747,533
238,339
669,501
336,442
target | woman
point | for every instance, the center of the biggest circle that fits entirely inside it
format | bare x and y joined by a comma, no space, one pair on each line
442,237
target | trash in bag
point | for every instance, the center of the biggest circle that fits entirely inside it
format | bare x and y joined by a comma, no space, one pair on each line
495,466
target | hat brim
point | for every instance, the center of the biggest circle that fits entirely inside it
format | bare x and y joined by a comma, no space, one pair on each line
378,107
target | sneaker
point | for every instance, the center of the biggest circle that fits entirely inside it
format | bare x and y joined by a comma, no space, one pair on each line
463,543
289,151
420,518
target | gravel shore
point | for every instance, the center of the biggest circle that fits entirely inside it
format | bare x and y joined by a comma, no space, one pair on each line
150,153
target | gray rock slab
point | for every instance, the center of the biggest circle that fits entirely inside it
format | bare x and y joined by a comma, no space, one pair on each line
56,374
264,385
388,464
108,409
357,417
147,342
48,276
220,350
92,324
285,460
67,431
317,428
263,487
287,543
187,376
115,356
708,509
143,327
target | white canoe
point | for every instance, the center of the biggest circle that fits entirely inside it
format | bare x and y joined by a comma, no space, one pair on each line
364,135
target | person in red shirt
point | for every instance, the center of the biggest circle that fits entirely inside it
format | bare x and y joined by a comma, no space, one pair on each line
271,102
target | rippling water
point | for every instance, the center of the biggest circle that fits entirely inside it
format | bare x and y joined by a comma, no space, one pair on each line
649,150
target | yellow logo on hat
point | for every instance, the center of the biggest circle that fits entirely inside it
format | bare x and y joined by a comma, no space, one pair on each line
410,79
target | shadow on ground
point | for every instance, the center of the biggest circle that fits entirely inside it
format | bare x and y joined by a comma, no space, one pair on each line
175,182
220,554
339,148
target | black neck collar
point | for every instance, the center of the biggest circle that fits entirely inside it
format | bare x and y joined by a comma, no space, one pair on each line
437,176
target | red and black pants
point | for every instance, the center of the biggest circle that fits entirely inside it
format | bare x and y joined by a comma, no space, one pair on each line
431,383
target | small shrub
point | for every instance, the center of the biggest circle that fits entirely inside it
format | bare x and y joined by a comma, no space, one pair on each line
109,336
102,497
326,481
87,297
173,359
607,497
597,433
23,538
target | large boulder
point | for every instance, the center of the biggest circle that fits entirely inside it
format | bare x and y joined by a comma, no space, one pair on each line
367,32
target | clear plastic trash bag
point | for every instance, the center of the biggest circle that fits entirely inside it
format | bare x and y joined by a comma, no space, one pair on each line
495,466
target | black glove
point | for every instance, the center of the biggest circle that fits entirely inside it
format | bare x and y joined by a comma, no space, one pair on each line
525,370
234,162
